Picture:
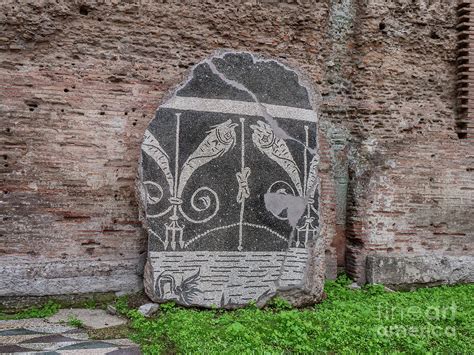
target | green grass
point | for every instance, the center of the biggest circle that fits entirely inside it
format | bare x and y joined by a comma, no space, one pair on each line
371,320
46,310
73,321
121,305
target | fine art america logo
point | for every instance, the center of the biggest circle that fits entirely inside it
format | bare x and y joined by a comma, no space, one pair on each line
426,322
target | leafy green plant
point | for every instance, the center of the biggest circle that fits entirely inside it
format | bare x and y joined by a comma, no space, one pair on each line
374,289
343,280
169,306
280,304
73,321
121,305
46,310
90,304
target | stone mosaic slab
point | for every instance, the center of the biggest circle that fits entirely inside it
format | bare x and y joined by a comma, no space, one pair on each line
39,336
229,187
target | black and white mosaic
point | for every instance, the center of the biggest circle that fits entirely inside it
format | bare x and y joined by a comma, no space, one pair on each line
39,336
229,184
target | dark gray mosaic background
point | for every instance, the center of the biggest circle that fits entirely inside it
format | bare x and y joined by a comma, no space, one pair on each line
268,80
272,84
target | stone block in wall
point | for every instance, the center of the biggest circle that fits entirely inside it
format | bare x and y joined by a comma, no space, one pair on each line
21,277
402,272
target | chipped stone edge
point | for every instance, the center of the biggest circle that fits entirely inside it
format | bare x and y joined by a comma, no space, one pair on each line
306,293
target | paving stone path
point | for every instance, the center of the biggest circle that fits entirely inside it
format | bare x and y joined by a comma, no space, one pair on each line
47,336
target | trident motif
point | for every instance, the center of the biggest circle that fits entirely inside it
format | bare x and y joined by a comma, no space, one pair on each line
242,179
311,183
219,140
276,149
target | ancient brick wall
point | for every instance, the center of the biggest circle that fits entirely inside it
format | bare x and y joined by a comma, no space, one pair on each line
81,80
415,195
465,60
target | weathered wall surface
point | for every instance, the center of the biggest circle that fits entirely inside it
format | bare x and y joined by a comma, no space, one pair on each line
412,182
79,86
81,80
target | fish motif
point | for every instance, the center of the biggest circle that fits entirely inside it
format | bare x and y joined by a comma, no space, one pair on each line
219,140
276,149
153,148
312,183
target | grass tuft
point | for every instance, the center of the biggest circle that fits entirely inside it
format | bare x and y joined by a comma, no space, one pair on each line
48,309
73,321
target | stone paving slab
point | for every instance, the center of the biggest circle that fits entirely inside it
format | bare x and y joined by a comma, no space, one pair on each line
91,318
49,336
